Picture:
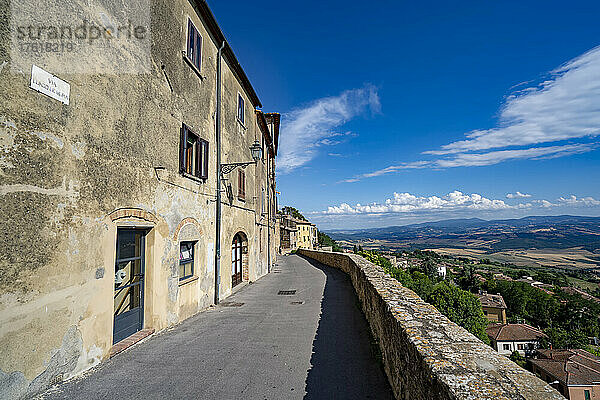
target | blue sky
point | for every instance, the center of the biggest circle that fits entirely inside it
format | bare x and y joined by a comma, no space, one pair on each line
397,112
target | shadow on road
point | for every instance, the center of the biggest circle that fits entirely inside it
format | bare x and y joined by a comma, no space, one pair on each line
344,364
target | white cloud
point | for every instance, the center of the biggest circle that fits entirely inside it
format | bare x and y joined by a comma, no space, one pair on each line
517,195
306,129
409,203
575,201
456,201
564,107
561,108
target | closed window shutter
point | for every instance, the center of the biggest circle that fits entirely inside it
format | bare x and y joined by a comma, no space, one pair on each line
191,36
205,160
182,144
198,54
198,159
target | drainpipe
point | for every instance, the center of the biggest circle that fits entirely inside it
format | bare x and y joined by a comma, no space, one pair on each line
268,213
218,148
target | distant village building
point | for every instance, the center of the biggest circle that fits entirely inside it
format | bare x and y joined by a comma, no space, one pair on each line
307,235
288,233
506,338
577,372
442,271
494,307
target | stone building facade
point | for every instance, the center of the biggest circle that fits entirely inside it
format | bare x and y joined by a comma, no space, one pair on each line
108,201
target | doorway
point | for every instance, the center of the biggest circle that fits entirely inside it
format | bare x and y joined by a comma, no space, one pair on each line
129,283
236,259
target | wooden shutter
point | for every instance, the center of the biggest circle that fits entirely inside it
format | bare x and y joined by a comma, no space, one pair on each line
190,40
204,159
182,145
198,160
198,53
241,184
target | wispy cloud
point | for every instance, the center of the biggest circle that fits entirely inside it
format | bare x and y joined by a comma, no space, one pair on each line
560,108
407,203
563,107
306,129
482,159
517,195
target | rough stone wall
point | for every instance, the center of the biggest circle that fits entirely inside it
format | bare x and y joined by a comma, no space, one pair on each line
425,355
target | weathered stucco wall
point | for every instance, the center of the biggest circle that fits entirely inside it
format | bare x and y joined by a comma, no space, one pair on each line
425,355
66,171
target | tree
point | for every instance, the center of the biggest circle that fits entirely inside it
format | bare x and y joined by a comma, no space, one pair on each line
518,358
354,249
293,212
326,240
430,269
460,307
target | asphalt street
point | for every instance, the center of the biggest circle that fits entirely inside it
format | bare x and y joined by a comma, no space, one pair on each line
314,344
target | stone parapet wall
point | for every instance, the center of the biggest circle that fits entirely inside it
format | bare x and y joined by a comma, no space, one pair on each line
425,355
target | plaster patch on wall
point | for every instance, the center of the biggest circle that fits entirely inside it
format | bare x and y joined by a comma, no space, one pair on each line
69,191
13,385
78,149
62,363
54,140
173,284
87,360
7,134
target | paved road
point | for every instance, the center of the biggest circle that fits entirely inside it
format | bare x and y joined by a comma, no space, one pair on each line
268,348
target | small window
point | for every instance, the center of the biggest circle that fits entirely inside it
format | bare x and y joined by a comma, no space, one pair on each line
186,260
241,112
586,395
194,45
506,346
241,184
193,154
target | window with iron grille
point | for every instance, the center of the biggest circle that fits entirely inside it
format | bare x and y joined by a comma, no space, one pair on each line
241,184
186,260
194,46
241,113
193,154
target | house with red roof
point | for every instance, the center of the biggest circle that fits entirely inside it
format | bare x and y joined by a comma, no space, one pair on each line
506,338
576,372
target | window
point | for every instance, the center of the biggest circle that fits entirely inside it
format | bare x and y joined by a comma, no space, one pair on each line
586,394
193,154
241,184
194,46
240,110
186,260
506,346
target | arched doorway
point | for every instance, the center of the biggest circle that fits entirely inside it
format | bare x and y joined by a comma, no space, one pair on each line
239,247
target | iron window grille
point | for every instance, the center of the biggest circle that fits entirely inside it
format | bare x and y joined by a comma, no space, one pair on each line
186,260
193,154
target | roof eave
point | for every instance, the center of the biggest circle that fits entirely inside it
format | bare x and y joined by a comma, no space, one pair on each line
218,36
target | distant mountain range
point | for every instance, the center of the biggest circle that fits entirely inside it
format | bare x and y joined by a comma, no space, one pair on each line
559,232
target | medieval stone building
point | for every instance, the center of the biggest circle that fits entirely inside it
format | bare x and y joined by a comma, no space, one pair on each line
128,201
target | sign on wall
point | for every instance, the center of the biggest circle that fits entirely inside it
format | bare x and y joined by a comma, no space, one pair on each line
48,84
